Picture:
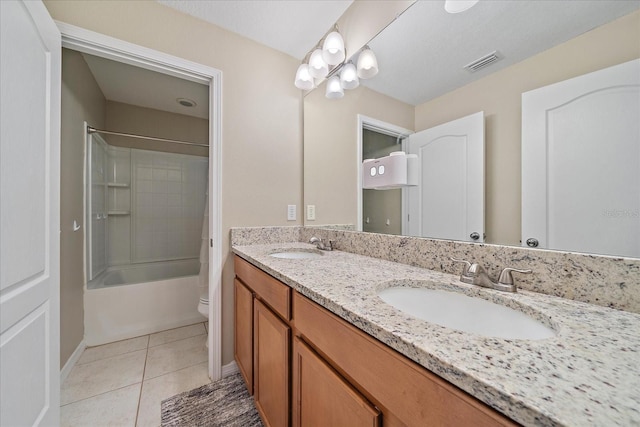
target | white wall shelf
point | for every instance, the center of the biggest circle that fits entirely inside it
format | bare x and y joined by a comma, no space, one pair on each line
119,184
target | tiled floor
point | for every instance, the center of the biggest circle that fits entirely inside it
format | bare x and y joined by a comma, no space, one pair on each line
123,383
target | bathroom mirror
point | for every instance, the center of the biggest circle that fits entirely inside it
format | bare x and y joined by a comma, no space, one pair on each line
422,83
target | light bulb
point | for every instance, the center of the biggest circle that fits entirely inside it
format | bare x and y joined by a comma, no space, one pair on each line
317,67
334,90
367,64
304,80
349,76
333,49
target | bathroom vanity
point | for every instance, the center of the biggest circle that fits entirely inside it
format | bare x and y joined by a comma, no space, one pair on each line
313,339
338,374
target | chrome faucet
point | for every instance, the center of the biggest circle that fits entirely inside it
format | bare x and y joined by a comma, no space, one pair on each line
475,274
505,281
465,277
320,244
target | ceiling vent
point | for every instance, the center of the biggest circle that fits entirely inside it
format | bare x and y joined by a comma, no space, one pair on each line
483,62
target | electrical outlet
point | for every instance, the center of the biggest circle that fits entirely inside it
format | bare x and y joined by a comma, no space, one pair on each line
291,212
311,212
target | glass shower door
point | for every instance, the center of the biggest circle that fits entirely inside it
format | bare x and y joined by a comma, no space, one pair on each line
97,205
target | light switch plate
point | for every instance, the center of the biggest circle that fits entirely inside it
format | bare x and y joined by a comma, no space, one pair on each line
291,212
311,212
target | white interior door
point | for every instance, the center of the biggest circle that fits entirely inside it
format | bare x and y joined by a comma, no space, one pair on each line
581,163
30,53
449,201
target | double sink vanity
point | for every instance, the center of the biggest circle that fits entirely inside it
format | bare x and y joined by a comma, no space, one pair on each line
368,341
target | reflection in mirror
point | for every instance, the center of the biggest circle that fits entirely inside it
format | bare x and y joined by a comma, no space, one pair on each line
381,209
539,42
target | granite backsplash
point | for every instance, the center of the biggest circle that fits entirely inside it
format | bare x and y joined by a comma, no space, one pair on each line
602,280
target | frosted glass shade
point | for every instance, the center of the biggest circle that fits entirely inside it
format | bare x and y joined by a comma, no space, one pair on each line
367,64
317,67
349,77
304,80
333,49
457,6
334,89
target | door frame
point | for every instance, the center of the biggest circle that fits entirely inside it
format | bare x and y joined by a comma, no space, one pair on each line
365,122
86,41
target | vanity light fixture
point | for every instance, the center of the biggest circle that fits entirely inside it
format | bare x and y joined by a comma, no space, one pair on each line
367,64
329,62
333,49
317,67
334,88
304,79
457,6
349,76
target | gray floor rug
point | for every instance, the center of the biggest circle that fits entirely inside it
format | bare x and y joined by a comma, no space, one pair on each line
225,402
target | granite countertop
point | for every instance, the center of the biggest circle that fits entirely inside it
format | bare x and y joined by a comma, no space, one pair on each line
588,374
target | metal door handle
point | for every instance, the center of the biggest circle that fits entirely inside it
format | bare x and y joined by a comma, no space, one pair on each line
532,243
475,235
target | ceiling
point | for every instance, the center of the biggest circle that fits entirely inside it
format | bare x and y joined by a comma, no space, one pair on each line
292,27
429,47
125,83
424,46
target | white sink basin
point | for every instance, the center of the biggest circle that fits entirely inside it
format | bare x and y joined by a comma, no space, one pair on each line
468,314
296,254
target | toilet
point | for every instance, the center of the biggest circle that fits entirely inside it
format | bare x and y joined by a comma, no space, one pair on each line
203,276
203,308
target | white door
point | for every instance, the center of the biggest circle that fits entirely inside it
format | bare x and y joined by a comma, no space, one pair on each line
581,163
448,203
30,51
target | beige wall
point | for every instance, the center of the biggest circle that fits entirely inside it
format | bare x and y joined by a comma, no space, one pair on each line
262,114
128,118
499,96
81,100
330,148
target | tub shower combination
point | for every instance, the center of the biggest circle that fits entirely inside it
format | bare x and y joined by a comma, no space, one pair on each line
144,226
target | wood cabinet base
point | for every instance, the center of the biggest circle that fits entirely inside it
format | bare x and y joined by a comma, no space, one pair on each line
405,392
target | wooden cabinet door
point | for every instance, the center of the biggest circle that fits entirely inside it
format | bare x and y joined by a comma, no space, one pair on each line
243,336
321,397
271,366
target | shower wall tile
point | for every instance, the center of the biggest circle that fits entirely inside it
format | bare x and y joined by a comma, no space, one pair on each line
119,169
119,242
168,208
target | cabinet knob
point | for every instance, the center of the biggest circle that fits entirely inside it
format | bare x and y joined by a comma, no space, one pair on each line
532,243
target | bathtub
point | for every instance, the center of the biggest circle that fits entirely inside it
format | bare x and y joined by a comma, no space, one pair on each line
139,299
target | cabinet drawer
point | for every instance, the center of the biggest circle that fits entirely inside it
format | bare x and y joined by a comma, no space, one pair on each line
405,392
274,293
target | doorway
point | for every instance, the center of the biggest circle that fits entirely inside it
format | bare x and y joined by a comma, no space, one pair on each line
385,210
88,42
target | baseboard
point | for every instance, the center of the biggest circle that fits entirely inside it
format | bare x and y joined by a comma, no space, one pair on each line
229,369
101,337
66,369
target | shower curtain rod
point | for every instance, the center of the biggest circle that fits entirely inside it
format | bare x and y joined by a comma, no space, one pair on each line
91,130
